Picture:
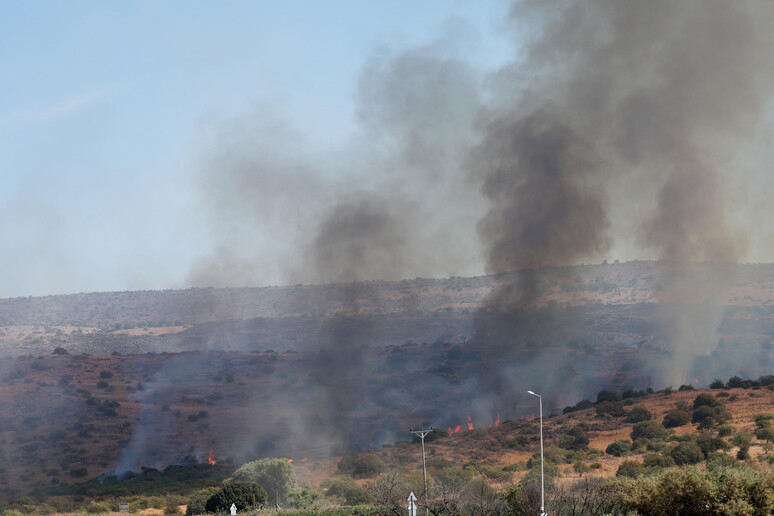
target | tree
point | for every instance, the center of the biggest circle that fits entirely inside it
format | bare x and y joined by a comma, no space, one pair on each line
276,476
389,491
245,495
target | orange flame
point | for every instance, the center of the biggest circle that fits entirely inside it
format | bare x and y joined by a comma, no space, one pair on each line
291,460
457,429
211,459
470,423
497,421
305,459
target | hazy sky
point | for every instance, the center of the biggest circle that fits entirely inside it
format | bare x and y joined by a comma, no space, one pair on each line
106,106
153,145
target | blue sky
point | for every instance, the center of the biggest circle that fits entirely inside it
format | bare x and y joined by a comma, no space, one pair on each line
105,106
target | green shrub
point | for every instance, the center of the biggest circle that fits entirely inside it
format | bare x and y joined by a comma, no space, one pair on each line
725,430
198,500
675,418
763,420
98,508
657,460
361,465
347,489
630,468
575,440
649,430
687,453
618,448
718,460
614,408
638,413
706,399
764,434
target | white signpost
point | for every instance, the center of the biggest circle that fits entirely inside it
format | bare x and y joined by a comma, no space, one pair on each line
233,509
412,504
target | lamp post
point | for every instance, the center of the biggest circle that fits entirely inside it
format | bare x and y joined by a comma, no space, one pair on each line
542,480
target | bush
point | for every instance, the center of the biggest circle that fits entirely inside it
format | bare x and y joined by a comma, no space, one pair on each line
691,491
687,453
347,489
98,508
79,472
725,430
764,434
575,440
717,384
657,460
106,375
630,468
649,430
361,465
718,460
638,413
245,495
718,415
614,408
706,399
607,395
618,448
198,500
675,418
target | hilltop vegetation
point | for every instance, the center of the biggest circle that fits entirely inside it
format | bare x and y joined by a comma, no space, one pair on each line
619,453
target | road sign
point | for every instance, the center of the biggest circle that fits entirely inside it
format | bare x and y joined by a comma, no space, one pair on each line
412,504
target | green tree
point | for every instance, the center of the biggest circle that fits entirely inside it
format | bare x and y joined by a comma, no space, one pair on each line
245,495
276,476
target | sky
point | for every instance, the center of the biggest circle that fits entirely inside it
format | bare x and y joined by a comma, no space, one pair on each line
163,145
106,108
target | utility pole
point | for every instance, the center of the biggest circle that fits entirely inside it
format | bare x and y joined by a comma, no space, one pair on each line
422,433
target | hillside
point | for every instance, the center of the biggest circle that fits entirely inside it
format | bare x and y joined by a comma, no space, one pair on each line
94,384
419,310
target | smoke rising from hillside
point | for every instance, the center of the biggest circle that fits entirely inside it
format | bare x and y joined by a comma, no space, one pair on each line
617,97
617,124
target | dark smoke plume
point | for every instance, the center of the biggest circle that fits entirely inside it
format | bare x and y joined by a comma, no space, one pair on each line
622,111
618,124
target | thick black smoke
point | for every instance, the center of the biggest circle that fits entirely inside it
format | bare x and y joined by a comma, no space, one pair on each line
617,125
624,115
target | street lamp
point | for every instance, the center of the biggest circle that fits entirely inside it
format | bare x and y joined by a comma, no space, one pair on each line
542,481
